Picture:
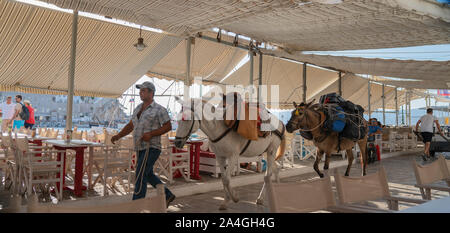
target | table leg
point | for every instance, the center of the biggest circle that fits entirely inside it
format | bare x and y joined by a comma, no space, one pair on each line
79,160
196,174
191,156
89,168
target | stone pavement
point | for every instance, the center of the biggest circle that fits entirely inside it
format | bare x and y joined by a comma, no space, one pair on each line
399,171
193,197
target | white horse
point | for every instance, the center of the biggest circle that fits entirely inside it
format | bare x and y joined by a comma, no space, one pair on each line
228,144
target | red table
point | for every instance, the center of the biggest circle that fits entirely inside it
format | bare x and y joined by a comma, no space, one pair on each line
194,166
79,161
195,157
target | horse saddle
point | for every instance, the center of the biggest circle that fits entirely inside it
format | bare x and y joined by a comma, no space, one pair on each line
238,116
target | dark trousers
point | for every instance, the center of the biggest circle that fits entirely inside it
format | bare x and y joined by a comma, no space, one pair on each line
148,176
28,126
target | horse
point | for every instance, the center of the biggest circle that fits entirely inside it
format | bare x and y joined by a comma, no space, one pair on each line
228,144
309,118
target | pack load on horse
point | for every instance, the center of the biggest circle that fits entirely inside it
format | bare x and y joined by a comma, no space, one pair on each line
343,117
333,125
238,116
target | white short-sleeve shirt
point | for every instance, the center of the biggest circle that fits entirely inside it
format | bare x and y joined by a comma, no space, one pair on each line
427,122
7,110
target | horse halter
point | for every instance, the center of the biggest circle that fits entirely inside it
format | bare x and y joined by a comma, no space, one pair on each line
306,116
192,126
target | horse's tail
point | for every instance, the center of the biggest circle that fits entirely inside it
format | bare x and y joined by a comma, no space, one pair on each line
281,148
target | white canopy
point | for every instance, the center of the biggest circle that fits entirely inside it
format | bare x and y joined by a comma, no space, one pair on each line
294,24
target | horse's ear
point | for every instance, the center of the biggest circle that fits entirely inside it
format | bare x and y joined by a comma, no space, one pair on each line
312,101
295,104
177,99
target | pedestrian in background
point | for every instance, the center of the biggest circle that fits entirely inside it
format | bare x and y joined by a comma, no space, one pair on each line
426,123
30,122
7,109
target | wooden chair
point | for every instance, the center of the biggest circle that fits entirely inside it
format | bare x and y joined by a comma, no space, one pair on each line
42,132
170,162
77,135
299,197
155,204
85,135
354,190
43,169
7,162
117,166
428,175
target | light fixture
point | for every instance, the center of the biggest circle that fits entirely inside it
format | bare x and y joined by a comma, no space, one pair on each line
140,44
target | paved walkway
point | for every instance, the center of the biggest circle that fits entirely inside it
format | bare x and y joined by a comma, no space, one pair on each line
399,171
398,168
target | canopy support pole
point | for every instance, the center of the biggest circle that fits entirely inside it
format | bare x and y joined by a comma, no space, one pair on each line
71,79
250,53
368,96
304,82
383,100
340,83
409,107
396,107
260,78
187,81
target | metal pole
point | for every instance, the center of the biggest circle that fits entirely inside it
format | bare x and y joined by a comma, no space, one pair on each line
250,53
406,107
340,83
409,107
304,82
70,85
187,81
382,100
260,77
396,107
368,88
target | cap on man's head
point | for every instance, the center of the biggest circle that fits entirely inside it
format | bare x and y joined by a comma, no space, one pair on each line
147,85
26,102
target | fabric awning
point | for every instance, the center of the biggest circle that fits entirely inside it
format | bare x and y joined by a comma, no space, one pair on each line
35,52
294,24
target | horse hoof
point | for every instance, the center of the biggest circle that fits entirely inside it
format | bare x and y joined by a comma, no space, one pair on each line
235,200
223,207
321,175
346,174
259,202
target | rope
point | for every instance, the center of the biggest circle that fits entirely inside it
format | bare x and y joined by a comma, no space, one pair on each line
141,173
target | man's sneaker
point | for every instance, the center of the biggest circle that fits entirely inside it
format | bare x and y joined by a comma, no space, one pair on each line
424,157
169,200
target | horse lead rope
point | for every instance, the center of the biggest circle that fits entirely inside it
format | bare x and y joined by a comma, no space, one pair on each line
141,173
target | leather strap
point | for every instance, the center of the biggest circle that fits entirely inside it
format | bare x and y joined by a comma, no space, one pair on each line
246,146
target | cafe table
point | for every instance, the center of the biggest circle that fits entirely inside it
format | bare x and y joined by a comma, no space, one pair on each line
78,146
441,205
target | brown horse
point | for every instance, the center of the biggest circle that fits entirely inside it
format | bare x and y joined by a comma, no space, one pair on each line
307,117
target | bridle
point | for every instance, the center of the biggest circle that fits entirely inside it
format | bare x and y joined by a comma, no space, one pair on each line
199,122
306,116
192,126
